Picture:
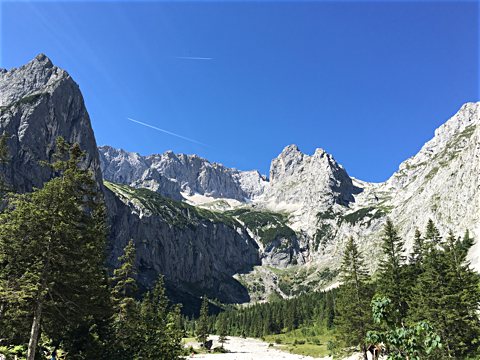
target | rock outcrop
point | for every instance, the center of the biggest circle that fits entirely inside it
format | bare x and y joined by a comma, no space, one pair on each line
38,103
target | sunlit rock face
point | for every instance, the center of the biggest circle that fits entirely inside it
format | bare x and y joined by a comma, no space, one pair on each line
324,205
173,174
38,103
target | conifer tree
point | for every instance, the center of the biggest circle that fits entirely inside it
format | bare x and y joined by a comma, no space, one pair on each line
418,250
52,256
222,329
432,235
160,327
126,315
202,324
353,305
447,296
391,279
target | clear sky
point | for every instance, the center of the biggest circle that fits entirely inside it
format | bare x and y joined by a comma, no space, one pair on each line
367,81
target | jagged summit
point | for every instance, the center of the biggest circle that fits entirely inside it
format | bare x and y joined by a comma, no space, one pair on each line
38,75
296,177
38,103
179,175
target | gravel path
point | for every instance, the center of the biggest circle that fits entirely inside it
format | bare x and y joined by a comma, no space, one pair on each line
249,349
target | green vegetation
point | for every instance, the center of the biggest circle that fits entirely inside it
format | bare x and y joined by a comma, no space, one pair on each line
322,235
465,134
313,310
268,226
365,215
52,279
432,173
202,324
25,100
353,317
54,292
173,212
328,214
308,341
424,309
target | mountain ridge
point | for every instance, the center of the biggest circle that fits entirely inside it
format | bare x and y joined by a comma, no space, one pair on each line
233,235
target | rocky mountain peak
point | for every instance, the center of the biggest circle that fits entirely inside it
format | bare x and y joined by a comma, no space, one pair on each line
292,162
176,175
38,103
305,185
448,139
39,75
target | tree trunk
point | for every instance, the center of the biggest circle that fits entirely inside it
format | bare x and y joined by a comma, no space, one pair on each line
2,309
364,350
37,317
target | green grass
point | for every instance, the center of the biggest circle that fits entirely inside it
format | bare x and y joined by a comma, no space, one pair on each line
432,173
266,225
365,214
308,341
25,100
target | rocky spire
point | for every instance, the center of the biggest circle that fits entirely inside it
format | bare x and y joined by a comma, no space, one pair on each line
38,103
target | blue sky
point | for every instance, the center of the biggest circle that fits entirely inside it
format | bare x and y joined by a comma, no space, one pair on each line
367,81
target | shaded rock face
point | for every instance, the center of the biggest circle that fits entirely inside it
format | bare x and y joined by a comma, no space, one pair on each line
172,174
198,258
38,103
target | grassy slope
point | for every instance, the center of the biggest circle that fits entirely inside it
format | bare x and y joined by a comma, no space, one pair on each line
308,341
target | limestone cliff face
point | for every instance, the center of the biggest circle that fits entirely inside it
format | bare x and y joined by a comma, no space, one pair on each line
197,252
38,103
175,174
442,181
323,205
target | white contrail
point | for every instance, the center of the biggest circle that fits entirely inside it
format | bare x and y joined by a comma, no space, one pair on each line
193,58
167,132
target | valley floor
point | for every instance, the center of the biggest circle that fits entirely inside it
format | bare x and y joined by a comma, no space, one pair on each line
249,349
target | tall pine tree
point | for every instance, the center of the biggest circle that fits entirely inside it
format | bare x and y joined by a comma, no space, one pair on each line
447,295
391,279
160,326
126,316
353,318
202,323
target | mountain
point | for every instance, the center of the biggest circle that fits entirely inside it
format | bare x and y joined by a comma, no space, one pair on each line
180,176
321,205
197,252
236,235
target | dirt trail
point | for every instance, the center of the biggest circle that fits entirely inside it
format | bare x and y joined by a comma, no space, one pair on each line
250,349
